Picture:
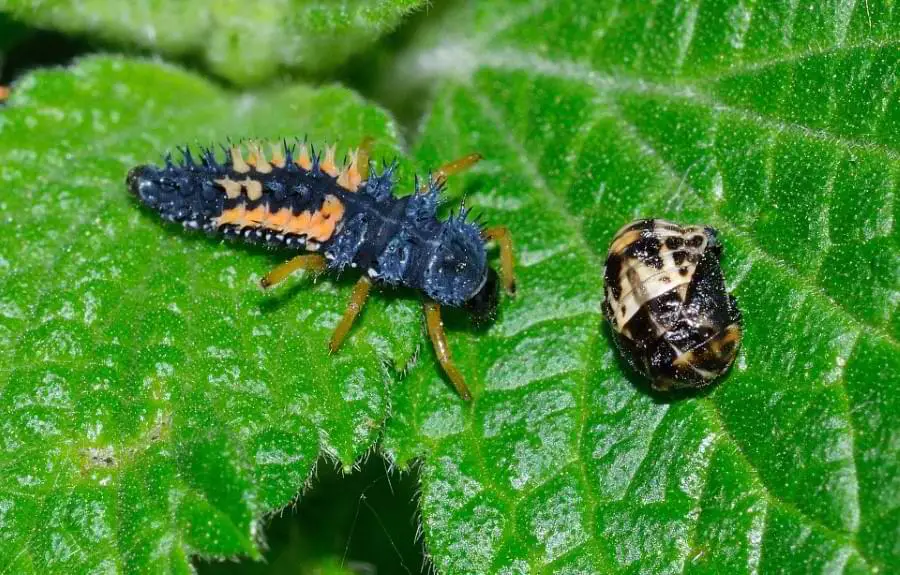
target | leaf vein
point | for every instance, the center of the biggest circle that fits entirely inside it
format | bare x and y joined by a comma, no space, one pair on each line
695,530
527,165
837,536
654,436
520,61
687,36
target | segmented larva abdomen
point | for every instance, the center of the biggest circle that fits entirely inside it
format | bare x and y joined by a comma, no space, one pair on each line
258,197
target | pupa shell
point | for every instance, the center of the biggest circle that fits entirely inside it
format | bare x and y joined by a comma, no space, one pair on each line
666,301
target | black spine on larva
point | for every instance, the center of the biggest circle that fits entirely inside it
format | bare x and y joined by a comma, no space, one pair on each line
182,192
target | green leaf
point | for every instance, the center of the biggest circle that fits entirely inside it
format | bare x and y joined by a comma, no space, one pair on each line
244,42
777,123
154,403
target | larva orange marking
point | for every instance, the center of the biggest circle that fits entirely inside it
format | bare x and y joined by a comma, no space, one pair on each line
237,161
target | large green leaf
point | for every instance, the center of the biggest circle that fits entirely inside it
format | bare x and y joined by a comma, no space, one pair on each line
777,123
242,41
154,403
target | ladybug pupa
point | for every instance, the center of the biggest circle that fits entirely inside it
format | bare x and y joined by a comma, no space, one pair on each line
665,299
342,218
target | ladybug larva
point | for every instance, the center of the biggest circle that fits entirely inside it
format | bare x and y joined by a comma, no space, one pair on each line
666,301
341,217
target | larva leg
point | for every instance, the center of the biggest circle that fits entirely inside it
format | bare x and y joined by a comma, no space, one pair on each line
357,301
311,262
450,168
501,235
442,349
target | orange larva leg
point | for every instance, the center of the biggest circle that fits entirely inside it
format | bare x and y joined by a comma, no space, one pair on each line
442,349
4,93
312,262
450,168
357,171
457,166
507,262
357,301
362,157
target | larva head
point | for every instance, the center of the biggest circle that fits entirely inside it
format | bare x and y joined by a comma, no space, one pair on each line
482,307
456,269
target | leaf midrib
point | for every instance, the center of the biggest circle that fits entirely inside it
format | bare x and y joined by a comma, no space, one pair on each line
516,60
791,55
474,439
